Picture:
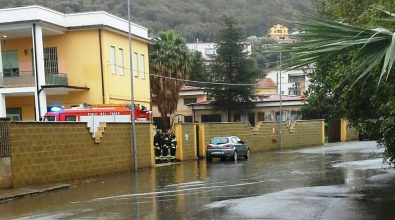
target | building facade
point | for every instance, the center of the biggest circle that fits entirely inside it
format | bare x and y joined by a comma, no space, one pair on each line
194,106
209,50
266,108
278,33
293,82
48,57
183,113
265,86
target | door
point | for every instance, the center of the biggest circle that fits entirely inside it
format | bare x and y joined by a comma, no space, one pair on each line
239,147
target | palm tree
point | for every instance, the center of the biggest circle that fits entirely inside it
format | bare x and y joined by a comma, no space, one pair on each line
169,60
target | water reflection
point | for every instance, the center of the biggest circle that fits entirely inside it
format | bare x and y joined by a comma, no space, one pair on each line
183,191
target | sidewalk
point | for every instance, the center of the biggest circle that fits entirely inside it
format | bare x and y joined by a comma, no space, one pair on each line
167,164
15,193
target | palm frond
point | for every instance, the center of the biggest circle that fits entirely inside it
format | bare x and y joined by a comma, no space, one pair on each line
322,40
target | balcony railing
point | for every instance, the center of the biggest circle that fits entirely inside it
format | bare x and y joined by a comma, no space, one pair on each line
27,79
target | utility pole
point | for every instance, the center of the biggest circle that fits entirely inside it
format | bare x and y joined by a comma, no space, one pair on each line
281,104
134,142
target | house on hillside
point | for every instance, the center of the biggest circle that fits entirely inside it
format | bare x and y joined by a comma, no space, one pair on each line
48,57
278,33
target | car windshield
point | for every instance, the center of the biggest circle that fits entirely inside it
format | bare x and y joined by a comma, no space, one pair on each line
219,141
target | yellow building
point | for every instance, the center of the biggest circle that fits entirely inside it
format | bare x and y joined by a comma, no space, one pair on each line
48,57
278,32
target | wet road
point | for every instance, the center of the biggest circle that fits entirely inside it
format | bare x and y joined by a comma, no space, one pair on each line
340,181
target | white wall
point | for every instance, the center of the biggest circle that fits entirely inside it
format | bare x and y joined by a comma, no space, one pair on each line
286,86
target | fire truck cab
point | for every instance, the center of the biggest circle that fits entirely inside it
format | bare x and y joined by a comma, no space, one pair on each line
94,116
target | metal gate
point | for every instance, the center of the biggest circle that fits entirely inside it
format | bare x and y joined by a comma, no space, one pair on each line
334,130
5,143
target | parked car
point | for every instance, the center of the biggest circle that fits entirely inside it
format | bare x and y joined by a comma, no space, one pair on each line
227,147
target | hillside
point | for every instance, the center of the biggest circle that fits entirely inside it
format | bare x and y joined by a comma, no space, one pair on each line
191,18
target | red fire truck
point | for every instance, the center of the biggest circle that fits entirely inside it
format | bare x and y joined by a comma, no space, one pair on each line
94,115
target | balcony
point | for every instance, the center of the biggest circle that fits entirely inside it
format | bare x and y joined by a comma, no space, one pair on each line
26,79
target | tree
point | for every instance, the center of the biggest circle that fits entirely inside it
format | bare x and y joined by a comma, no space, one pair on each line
169,60
198,68
231,65
361,55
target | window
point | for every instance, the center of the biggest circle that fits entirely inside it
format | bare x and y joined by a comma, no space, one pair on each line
234,140
211,118
142,66
10,63
71,118
120,61
189,100
219,140
15,114
51,60
296,79
279,31
188,119
112,59
209,51
50,118
134,63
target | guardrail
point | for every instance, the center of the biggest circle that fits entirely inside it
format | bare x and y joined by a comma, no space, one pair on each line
27,79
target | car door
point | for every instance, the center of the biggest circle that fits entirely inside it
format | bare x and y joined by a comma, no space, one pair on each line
243,146
237,145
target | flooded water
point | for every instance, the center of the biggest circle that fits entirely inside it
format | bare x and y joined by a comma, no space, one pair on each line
343,181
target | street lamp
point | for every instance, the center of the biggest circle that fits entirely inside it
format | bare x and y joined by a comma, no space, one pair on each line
134,142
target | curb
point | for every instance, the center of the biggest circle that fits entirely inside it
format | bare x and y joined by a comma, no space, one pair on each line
29,192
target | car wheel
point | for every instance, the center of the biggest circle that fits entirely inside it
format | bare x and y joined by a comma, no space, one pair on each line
235,156
247,155
209,159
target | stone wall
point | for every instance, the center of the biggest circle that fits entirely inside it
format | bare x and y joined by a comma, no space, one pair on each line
53,152
265,137
5,173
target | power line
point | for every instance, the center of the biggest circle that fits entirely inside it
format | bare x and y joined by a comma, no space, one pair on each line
202,82
186,80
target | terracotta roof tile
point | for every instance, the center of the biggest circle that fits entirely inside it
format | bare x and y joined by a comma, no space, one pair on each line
265,83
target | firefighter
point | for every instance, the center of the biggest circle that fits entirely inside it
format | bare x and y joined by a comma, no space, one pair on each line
173,146
158,145
166,146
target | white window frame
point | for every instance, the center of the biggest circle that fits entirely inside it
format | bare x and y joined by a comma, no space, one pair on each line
112,60
135,64
142,66
120,61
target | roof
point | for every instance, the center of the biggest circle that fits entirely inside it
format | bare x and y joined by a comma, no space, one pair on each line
263,99
265,83
191,88
276,98
36,13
